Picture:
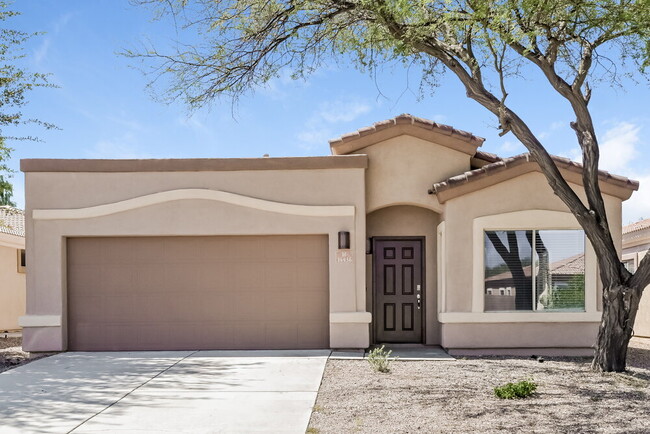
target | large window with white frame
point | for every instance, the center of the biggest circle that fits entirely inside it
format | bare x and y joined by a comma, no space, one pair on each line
534,270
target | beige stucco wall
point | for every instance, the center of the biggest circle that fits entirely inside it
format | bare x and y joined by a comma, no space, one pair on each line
410,221
402,169
12,289
176,203
530,198
400,172
642,322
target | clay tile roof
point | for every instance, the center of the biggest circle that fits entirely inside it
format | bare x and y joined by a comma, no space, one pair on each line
507,163
412,120
487,156
636,226
12,221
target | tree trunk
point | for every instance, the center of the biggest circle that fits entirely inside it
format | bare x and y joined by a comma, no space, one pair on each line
620,304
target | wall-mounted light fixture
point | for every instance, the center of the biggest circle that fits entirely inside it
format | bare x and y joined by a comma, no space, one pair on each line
344,240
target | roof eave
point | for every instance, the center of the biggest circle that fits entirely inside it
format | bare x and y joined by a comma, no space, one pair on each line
509,168
445,135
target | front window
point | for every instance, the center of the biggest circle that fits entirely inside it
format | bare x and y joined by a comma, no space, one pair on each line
534,270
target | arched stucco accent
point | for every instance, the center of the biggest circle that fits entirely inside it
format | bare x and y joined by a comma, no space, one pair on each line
435,207
193,193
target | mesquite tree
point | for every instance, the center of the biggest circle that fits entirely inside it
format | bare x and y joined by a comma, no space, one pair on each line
485,43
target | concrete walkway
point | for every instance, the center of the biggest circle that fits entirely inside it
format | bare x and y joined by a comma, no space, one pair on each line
172,392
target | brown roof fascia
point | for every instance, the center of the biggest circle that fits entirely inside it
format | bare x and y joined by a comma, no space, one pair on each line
195,164
508,168
406,124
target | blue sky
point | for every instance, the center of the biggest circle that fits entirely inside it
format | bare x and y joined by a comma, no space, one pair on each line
104,110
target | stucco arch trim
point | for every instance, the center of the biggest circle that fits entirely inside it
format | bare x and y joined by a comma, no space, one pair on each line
189,194
435,207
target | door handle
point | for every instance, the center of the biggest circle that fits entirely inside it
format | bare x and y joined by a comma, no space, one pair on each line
419,302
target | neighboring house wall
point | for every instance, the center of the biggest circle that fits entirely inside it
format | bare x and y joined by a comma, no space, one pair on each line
524,202
12,288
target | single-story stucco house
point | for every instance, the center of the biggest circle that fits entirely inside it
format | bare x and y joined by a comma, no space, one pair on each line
636,242
388,240
12,267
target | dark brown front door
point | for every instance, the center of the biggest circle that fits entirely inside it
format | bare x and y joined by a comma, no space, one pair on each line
398,277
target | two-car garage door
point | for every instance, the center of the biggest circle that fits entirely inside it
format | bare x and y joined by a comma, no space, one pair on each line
173,293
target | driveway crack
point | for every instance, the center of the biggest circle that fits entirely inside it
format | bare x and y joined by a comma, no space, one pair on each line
133,390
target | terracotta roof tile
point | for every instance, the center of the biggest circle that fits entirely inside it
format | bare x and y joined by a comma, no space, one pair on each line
12,221
636,226
404,119
487,156
507,163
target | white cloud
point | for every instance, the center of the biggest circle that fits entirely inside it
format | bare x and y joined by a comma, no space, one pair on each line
191,122
314,137
116,148
638,206
41,52
511,147
554,126
318,129
618,147
341,111
619,150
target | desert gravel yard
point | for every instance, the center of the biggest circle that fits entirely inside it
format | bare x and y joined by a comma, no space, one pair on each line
457,396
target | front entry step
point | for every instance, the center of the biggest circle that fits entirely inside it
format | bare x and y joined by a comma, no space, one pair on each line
414,352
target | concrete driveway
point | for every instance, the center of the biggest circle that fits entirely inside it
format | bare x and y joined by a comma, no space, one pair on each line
174,392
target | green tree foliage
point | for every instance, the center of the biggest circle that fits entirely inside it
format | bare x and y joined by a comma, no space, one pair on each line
6,192
15,83
239,45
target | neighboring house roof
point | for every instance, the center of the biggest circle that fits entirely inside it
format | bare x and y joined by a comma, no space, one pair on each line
12,221
565,267
406,124
507,168
636,226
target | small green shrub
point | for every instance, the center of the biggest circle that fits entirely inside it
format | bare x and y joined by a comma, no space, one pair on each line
519,390
379,359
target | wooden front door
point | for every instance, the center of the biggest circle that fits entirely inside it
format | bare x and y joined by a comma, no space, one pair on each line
398,281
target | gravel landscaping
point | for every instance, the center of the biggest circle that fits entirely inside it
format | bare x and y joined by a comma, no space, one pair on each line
457,396
12,354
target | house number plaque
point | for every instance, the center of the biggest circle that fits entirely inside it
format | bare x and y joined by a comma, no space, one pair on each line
344,256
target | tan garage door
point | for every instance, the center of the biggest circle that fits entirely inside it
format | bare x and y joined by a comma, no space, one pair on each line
174,293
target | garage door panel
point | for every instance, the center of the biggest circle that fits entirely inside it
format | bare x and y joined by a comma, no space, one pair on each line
118,251
313,276
198,293
150,278
313,331
307,307
245,248
86,278
116,279
280,275
283,333
83,252
310,248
